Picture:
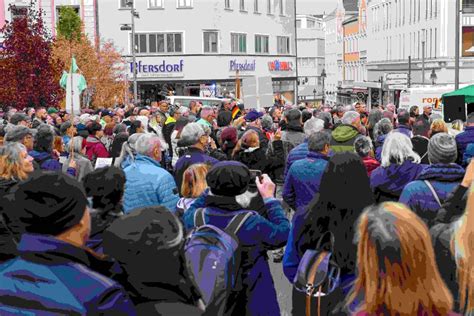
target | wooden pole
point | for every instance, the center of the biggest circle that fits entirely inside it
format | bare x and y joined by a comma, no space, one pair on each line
237,84
71,148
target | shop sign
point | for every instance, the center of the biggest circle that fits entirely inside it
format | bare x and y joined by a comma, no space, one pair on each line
162,67
234,65
277,65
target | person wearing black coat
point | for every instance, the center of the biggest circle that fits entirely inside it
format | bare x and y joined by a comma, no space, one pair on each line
249,152
442,233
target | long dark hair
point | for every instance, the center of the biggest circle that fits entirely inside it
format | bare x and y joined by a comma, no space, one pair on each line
343,195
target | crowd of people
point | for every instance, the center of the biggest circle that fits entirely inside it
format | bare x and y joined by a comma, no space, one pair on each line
107,212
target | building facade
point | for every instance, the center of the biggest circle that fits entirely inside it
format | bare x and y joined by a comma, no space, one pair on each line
194,46
336,86
311,52
87,10
423,31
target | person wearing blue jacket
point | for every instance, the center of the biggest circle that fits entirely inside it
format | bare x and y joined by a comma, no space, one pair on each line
381,131
54,273
228,196
147,183
304,178
443,175
311,126
465,138
399,166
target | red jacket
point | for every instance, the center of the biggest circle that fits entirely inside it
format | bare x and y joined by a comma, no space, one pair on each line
95,149
370,164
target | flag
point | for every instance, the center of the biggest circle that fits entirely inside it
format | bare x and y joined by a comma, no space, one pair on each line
74,67
63,81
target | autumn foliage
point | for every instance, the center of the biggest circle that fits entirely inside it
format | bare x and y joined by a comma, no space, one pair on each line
29,76
101,68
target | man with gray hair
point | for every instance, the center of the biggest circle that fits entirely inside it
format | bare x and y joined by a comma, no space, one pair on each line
20,134
147,183
344,136
196,137
304,176
311,126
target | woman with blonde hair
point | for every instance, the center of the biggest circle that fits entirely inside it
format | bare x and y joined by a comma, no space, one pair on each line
194,184
249,152
397,271
438,126
15,166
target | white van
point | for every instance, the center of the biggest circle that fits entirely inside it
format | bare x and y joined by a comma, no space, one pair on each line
185,100
422,96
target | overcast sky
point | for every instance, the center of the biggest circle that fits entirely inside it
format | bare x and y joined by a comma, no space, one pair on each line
315,6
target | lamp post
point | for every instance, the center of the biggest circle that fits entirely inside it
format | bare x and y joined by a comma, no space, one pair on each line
314,95
457,45
128,27
423,42
323,76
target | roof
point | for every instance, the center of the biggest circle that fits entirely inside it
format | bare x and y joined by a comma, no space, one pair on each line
351,5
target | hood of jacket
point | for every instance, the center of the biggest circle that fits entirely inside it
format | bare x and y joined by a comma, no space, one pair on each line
6,184
442,172
392,179
92,139
343,133
39,155
139,159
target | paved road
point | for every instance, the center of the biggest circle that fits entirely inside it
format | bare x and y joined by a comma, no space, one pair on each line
282,286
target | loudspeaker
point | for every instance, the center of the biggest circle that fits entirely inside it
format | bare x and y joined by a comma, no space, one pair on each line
454,109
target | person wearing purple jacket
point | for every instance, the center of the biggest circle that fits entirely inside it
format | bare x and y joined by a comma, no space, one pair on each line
197,138
400,165
404,123
55,274
43,154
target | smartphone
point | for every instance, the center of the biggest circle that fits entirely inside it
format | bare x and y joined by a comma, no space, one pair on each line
256,173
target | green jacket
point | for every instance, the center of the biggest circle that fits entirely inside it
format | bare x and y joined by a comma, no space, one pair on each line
343,138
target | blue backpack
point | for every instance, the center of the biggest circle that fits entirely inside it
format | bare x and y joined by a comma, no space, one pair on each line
212,258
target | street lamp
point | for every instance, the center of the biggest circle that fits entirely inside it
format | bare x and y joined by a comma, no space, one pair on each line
314,93
323,76
423,41
433,77
127,27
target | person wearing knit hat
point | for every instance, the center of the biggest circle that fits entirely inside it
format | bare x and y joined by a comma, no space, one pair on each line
54,270
228,195
437,180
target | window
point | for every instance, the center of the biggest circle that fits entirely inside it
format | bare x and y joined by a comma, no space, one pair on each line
227,4
158,43
155,4
18,12
435,43
242,5
123,4
238,43
310,24
298,24
261,44
255,6
185,4
210,41
282,8
419,10
269,7
283,45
